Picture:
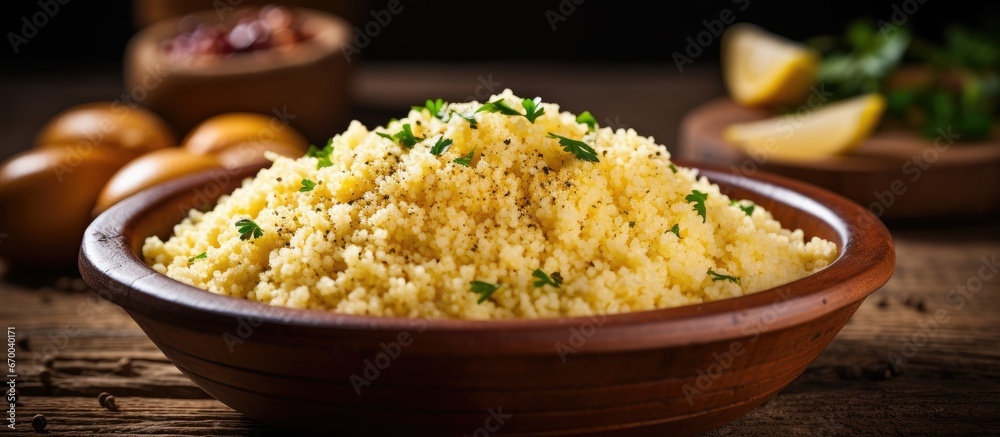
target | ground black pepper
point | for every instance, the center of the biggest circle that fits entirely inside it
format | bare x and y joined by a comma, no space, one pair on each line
39,422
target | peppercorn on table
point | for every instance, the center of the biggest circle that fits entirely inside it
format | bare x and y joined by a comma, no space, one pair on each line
921,355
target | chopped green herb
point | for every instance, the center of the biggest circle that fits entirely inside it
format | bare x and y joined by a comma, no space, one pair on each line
440,146
588,119
248,229
498,106
467,159
532,110
721,277
747,209
699,202
202,255
404,137
555,280
483,289
307,185
436,108
578,148
322,155
557,277
673,167
676,230
471,119
631,224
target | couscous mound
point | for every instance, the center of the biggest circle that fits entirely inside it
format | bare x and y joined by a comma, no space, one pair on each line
484,213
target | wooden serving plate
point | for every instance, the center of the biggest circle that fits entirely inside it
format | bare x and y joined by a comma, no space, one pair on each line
895,174
674,371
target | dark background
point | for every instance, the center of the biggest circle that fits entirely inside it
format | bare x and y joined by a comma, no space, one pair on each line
93,34
76,57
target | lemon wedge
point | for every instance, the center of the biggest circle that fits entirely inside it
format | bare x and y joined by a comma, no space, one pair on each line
813,134
761,68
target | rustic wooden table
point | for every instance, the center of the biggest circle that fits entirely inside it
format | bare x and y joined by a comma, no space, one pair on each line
921,356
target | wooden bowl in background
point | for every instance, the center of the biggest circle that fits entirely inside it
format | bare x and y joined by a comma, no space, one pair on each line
675,371
306,85
896,174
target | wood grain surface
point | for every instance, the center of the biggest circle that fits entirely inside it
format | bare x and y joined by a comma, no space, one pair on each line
919,357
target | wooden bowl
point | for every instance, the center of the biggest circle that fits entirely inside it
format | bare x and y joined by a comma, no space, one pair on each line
146,12
306,86
896,174
676,371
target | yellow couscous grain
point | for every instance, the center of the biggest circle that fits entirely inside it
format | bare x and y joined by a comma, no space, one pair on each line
392,230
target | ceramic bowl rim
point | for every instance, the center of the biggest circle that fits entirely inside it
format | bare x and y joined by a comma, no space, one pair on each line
865,262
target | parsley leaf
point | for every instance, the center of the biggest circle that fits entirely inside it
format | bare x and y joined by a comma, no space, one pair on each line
578,148
467,159
322,155
555,280
747,209
404,137
202,255
436,108
440,146
471,119
307,185
588,119
249,229
631,224
676,230
483,289
673,167
498,106
699,202
532,110
720,277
